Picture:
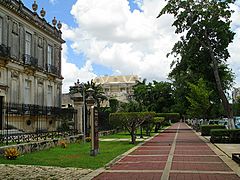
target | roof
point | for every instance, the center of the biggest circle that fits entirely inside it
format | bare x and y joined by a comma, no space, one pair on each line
17,7
116,79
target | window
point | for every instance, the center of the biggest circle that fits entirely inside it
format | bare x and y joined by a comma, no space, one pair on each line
40,95
49,96
14,91
1,30
50,55
40,56
28,43
40,52
27,92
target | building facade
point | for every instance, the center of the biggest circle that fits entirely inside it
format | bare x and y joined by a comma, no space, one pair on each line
30,60
118,87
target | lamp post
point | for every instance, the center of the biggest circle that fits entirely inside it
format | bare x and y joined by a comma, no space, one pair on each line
149,96
81,88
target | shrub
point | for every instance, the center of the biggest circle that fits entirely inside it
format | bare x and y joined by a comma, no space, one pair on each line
225,136
166,123
205,129
130,121
11,153
63,144
88,139
174,117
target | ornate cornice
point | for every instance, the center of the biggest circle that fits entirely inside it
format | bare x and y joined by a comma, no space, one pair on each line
17,7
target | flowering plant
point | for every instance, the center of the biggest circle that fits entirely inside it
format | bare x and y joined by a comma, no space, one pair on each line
11,153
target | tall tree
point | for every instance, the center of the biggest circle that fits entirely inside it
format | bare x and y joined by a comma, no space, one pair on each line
154,96
207,34
199,99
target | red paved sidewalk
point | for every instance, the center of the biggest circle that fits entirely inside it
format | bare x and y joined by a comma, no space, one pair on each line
177,153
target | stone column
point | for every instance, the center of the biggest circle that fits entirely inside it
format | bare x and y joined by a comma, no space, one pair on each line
78,105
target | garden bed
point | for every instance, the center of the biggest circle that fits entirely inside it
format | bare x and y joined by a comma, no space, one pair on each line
39,145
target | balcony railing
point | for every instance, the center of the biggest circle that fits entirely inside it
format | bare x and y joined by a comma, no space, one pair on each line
4,51
52,69
29,60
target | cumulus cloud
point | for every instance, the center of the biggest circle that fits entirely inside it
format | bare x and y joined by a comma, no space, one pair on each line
109,34
52,1
71,72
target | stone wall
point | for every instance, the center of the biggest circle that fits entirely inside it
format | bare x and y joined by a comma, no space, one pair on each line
40,145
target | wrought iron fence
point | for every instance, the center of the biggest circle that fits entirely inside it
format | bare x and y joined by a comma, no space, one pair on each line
24,123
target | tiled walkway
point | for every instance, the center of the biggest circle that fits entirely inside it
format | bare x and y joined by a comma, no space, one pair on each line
177,153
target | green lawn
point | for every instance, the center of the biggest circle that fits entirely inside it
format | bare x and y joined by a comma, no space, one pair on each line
75,155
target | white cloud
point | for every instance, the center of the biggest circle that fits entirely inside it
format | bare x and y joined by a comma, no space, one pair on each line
234,47
128,43
71,72
52,1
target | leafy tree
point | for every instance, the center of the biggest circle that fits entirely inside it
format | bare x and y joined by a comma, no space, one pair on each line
205,25
130,121
98,93
199,99
155,96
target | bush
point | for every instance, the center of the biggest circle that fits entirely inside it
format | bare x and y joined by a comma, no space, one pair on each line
166,123
205,129
174,117
225,136
88,139
63,144
11,153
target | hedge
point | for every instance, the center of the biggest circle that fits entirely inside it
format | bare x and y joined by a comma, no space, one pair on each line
205,129
174,117
225,136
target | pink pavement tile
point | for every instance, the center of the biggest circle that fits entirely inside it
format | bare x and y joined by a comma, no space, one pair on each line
198,176
129,176
144,158
200,166
150,152
139,166
194,152
166,148
197,158
201,148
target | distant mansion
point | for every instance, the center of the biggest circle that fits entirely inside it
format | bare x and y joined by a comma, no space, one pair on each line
118,87
30,65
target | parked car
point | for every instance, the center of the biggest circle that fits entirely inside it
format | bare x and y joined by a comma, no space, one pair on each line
211,122
237,122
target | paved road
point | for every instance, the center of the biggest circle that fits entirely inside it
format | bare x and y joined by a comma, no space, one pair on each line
177,153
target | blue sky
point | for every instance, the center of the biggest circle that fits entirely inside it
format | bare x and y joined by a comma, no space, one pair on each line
119,37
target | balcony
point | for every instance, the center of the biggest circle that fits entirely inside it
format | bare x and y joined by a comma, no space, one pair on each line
4,51
29,60
52,69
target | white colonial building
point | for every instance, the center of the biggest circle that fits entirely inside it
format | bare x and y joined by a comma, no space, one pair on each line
30,59
118,87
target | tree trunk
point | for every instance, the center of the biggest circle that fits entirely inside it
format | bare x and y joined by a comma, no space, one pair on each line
227,107
133,137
